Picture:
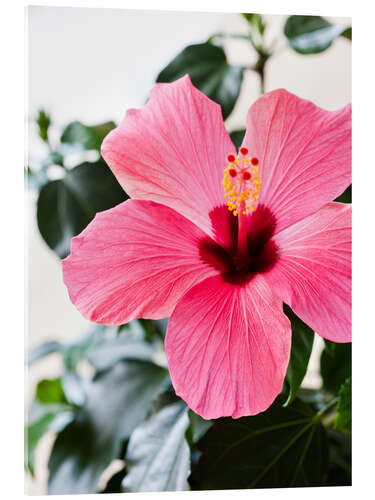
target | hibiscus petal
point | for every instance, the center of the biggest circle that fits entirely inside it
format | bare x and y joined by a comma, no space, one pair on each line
134,260
228,348
313,272
304,154
173,151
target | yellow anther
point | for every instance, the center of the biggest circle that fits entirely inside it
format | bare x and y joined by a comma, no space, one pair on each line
241,184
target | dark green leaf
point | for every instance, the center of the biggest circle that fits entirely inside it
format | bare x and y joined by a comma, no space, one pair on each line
209,71
66,206
347,33
256,21
310,34
340,458
43,419
346,196
88,137
343,421
198,426
43,121
158,455
282,447
237,137
50,391
116,402
302,342
335,365
42,350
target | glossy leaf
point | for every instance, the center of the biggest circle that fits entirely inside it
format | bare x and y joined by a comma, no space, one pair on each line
158,455
117,401
302,343
67,205
343,421
335,365
311,34
237,137
282,447
208,68
88,137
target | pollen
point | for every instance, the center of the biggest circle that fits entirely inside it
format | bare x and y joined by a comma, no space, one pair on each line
241,183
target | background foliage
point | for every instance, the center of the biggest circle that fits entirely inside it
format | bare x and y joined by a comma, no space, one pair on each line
127,409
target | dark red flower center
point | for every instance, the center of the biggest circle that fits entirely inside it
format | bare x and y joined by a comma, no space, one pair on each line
262,250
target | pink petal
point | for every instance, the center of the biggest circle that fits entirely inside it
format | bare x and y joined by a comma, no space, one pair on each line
304,154
173,151
228,348
135,260
313,273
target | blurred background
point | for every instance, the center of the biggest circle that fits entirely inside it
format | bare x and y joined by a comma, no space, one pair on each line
92,65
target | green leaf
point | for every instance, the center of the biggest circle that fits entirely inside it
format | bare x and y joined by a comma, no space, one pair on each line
66,206
237,137
340,458
158,455
50,391
256,21
282,447
43,418
198,426
42,351
43,121
347,33
343,421
346,196
208,68
302,342
80,349
88,137
335,365
116,402
128,344
310,34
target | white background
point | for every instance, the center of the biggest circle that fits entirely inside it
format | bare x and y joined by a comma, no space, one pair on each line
93,64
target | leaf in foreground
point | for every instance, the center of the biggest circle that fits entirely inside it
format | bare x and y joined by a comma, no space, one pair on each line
302,342
343,421
117,401
158,455
335,365
282,447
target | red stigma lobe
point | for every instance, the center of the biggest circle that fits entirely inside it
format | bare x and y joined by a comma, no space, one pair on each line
231,158
244,151
254,161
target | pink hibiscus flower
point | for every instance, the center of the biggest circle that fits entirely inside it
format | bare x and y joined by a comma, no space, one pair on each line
218,240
